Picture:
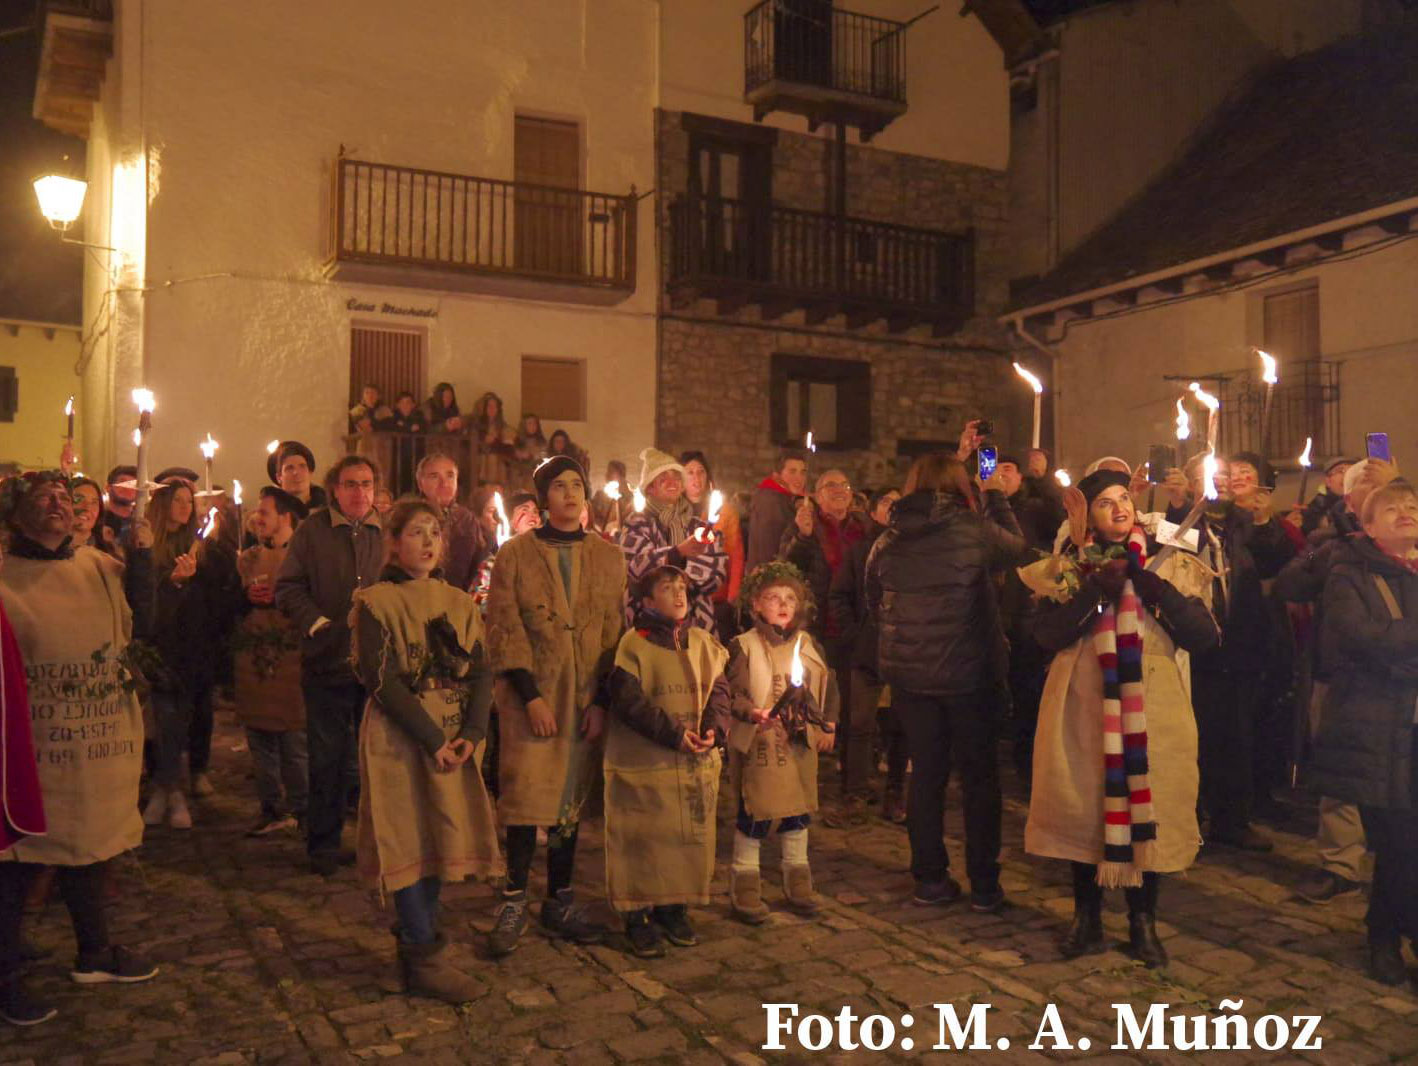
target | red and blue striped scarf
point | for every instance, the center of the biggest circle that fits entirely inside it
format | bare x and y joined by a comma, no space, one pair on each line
1129,828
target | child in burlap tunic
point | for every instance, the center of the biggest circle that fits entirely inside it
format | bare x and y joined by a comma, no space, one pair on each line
425,817
773,766
667,698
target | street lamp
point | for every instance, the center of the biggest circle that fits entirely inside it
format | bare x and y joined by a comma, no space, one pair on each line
60,199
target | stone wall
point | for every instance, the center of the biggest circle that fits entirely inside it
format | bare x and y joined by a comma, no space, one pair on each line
713,375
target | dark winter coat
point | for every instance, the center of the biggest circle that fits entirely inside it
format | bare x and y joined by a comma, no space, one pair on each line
847,603
809,555
194,619
770,514
929,583
1364,745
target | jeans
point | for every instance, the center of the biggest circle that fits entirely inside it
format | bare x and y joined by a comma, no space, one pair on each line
184,721
962,730
332,714
417,908
279,759
561,856
858,731
81,888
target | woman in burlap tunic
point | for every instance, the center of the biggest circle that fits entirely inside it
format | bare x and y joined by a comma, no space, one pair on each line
72,623
425,817
553,618
1115,760
773,774
667,697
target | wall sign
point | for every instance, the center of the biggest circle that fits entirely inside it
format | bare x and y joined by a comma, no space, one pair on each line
371,306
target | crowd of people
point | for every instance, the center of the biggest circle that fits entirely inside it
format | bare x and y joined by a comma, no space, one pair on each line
471,680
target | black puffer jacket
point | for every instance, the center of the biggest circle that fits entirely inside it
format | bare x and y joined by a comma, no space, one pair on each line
928,584
1364,746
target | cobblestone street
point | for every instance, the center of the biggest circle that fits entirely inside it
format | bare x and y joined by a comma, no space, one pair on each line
265,962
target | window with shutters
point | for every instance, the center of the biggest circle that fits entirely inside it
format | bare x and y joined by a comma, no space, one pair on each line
391,359
546,159
829,397
1291,331
554,389
9,394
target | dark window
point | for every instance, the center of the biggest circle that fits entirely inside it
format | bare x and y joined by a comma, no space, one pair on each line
731,187
9,394
829,397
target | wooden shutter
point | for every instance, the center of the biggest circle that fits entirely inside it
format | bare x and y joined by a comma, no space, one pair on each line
1292,334
389,358
547,153
554,389
9,394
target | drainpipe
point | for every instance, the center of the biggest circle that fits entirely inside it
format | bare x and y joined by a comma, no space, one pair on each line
1017,321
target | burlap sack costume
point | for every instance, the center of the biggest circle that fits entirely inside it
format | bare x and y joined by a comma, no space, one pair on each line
774,777
268,692
660,804
72,622
1066,805
566,646
415,822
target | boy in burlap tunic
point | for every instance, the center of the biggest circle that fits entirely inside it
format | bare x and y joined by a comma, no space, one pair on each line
553,617
666,698
773,757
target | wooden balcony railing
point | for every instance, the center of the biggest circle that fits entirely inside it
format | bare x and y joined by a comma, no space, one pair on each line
398,454
810,42
726,248
392,215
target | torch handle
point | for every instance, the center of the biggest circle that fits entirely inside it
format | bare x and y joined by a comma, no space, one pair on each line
782,701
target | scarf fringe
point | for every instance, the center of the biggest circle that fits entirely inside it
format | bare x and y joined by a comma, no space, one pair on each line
1127,874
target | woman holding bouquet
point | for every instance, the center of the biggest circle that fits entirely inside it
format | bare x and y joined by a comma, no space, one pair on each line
1115,755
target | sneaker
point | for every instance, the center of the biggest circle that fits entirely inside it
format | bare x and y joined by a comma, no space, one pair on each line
328,863
674,924
562,917
646,939
267,824
202,785
155,813
931,893
986,900
509,923
178,816
114,965
1324,888
17,1008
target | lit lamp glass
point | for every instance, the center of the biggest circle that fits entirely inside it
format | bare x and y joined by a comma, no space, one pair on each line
60,199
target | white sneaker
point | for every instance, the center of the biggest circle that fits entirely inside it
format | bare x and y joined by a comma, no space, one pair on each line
202,786
178,816
155,813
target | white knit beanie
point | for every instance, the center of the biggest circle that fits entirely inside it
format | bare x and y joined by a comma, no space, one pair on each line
1353,474
653,463
1092,467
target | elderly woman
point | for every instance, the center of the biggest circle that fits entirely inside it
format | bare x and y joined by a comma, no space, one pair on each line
71,621
1115,754
1366,747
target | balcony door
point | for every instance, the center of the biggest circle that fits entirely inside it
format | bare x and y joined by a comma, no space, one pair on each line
802,41
548,231
731,182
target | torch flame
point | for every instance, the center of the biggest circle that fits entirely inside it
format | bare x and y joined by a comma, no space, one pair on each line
1305,455
612,490
639,501
716,504
1034,382
504,527
145,400
271,447
69,407
807,442
209,448
209,524
236,491
1063,478
1184,420
795,672
1268,367
1211,402
1208,476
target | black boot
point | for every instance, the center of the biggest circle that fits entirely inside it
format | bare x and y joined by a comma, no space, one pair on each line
1142,924
1085,936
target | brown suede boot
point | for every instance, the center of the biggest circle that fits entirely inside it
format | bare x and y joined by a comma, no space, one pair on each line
746,896
429,970
797,887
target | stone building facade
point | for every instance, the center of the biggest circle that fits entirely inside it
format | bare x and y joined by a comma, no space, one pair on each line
714,362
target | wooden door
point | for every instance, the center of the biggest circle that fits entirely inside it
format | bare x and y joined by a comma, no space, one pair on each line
547,158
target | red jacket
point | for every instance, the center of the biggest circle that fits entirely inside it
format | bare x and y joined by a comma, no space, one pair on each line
20,799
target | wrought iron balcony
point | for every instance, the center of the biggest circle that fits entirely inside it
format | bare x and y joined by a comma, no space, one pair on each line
810,58
784,259
428,229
